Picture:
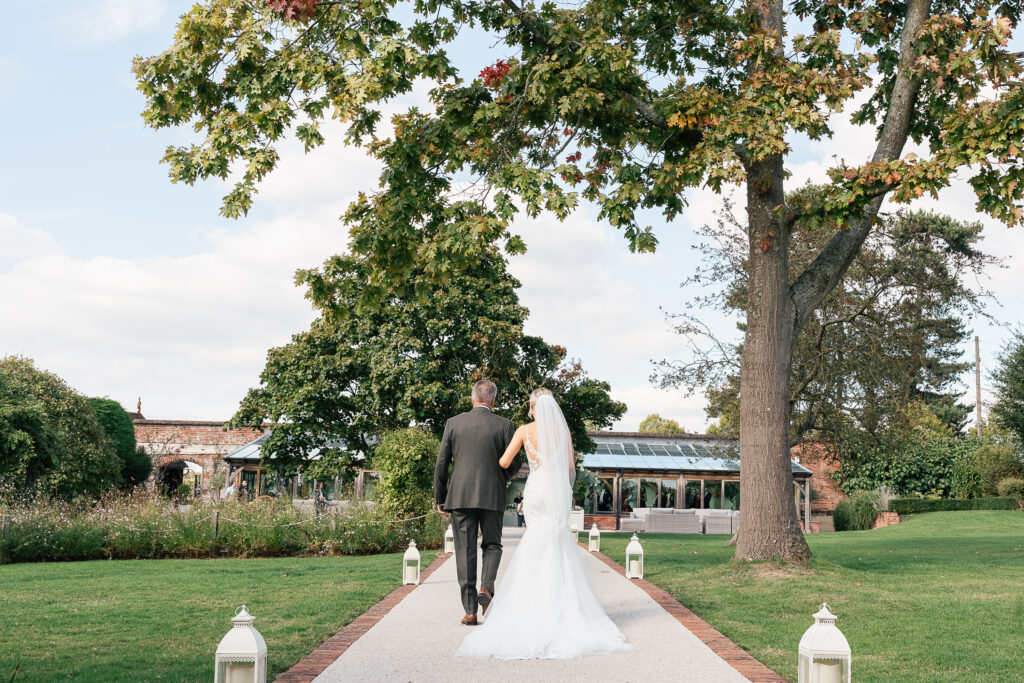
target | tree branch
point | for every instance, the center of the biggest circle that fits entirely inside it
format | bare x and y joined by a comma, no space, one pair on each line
819,278
643,109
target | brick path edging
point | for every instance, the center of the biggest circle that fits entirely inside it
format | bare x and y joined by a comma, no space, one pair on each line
733,654
313,664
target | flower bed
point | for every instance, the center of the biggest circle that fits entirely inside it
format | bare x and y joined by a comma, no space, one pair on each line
147,528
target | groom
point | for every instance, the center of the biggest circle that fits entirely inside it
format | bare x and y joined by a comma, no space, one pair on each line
474,493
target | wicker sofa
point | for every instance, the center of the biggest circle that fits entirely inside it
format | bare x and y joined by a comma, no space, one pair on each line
673,522
718,521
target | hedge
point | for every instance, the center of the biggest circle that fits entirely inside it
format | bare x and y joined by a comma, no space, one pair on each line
908,506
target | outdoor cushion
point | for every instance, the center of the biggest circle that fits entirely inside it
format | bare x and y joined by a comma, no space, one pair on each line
717,524
677,524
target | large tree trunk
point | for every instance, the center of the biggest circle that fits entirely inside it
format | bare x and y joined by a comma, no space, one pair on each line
769,527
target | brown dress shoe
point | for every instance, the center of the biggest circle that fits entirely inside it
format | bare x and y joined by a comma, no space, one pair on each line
483,599
469,620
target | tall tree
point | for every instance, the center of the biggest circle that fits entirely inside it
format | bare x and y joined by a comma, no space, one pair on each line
1008,378
625,105
59,445
367,368
656,424
117,424
889,336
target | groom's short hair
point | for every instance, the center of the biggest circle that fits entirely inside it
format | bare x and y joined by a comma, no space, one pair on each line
485,391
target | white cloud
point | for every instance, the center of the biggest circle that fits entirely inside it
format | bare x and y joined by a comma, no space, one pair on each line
18,241
189,333
588,293
644,399
104,21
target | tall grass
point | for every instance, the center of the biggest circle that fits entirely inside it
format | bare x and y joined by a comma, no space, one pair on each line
143,527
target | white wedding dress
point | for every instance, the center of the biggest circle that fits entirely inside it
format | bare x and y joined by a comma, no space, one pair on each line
545,606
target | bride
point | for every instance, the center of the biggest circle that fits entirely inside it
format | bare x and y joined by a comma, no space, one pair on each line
545,607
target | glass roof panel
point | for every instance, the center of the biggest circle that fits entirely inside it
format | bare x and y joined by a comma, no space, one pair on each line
676,462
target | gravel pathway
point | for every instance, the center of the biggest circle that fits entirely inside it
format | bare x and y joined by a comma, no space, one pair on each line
417,640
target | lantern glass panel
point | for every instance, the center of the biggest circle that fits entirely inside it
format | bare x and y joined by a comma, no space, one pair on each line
241,672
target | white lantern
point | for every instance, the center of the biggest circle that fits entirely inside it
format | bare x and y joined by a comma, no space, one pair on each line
242,653
449,540
634,559
824,651
595,539
575,523
411,565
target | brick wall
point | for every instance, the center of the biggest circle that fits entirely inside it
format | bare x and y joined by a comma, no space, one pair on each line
816,458
604,522
202,442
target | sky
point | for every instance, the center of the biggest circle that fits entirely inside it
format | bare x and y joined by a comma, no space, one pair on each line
129,286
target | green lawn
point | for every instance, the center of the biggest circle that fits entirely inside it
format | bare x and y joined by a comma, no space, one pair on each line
939,597
161,620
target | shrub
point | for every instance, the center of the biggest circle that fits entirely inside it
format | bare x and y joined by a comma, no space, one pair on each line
140,527
966,481
995,462
856,512
920,464
1012,487
908,506
58,442
117,426
405,459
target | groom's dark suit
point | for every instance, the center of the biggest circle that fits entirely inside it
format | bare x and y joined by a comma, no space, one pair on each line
474,492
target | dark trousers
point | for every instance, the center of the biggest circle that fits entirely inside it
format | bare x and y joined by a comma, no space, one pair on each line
520,519
465,523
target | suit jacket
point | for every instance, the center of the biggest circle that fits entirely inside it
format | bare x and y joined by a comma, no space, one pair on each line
472,444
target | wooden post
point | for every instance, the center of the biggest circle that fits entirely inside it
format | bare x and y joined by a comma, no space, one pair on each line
977,382
617,498
807,505
5,525
213,524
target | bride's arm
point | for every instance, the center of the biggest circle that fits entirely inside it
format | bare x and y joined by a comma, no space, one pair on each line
513,448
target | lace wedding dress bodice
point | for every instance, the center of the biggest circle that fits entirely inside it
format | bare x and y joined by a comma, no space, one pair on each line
532,456
545,606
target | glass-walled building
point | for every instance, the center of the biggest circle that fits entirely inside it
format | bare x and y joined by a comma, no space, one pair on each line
245,465
636,470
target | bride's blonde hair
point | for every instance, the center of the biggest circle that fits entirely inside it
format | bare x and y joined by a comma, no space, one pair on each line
537,393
